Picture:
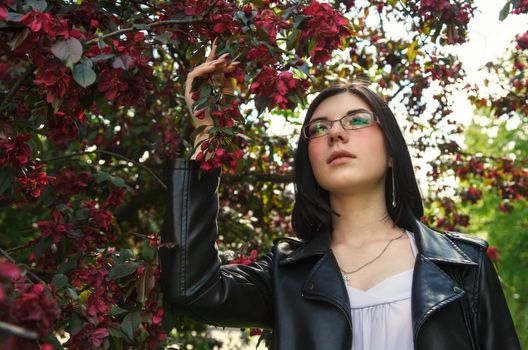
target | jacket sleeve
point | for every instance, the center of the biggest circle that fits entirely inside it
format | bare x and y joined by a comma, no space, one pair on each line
495,325
193,280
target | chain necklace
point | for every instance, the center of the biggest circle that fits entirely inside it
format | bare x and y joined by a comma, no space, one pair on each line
346,278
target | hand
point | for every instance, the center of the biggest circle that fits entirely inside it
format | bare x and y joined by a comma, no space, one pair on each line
211,66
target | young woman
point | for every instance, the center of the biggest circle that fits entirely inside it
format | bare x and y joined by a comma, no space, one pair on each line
364,272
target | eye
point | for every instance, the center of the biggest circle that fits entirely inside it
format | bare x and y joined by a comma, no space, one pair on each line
317,128
358,119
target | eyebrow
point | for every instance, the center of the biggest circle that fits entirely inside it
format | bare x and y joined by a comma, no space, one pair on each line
323,117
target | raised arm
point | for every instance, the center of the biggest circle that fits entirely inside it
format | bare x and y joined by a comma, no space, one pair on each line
193,279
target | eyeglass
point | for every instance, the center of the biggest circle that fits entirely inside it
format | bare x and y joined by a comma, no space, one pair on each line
353,120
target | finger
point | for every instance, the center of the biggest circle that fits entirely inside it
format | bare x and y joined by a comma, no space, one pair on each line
231,67
212,54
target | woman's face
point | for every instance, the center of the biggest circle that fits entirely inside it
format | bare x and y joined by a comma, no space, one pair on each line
367,166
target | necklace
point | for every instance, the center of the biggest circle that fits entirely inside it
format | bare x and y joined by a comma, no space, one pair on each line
346,278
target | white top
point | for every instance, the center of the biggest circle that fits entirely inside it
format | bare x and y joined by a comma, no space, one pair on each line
381,315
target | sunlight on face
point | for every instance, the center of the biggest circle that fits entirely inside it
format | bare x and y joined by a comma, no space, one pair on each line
369,161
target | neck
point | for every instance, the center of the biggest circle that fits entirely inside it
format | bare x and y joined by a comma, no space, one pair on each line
363,217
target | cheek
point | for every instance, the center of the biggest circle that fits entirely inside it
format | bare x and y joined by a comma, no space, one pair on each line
315,154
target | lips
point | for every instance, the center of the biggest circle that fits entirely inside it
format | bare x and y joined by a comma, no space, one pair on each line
339,154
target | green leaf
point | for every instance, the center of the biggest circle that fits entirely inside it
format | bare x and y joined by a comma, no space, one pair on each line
205,91
67,266
261,102
293,39
75,324
116,310
117,181
200,104
412,51
59,281
505,11
68,51
37,5
148,252
122,270
84,75
164,37
102,176
130,324
43,245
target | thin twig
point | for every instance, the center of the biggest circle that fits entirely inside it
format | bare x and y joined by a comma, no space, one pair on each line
108,153
150,25
18,331
32,276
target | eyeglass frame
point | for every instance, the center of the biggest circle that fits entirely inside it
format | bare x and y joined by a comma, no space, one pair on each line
373,118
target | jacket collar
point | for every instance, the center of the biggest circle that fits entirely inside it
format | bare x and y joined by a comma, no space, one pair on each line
433,245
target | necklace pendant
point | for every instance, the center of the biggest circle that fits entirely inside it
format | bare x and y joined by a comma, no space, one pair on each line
346,278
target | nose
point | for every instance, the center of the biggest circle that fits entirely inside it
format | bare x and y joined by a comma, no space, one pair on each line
337,133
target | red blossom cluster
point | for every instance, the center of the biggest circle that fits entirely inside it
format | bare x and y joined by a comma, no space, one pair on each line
88,337
472,195
270,22
493,253
3,8
68,183
326,27
55,227
219,155
15,151
54,79
454,15
27,305
49,24
277,86
522,41
241,259
126,77
169,145
521,7
63,128
32,185
444,71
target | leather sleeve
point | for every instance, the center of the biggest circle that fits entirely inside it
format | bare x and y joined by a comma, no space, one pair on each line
495,325
193,280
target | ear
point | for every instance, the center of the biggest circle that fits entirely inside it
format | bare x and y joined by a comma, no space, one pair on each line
390,162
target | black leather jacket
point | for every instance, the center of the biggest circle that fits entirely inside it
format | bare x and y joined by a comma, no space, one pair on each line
297,290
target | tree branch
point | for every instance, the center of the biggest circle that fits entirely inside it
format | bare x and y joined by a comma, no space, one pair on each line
117,155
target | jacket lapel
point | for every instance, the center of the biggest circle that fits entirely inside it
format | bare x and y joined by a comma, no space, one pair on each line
433,288
324,281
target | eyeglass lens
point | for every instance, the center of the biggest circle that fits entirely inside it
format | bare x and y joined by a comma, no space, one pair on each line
350,121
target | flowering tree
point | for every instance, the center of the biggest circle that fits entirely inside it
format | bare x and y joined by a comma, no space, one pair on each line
93,104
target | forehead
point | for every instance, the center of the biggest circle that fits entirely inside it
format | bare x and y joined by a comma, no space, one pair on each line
336,106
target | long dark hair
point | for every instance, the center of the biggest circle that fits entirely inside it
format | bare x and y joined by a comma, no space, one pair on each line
312,213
